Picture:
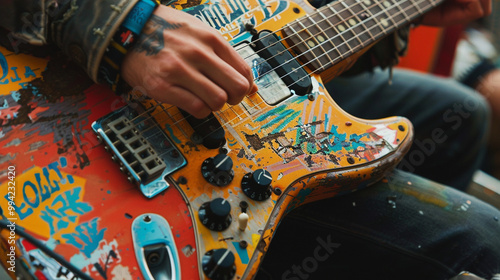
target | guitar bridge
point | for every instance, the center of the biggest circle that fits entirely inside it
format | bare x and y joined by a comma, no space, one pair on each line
144,152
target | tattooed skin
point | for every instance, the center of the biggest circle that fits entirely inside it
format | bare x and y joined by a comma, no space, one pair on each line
151,40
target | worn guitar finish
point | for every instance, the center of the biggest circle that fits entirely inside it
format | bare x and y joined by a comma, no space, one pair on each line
174,211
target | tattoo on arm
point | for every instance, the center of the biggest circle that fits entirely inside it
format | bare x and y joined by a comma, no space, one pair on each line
151,40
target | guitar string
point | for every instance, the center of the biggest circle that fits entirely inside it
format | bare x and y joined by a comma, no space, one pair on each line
402,11
325,19
239,116
345,42
305,28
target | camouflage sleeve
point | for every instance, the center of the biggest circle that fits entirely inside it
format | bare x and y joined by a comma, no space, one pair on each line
81,28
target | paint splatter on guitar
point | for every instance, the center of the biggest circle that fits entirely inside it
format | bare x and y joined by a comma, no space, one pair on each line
202,198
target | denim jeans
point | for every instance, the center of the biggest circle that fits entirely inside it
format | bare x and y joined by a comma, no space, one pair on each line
405,226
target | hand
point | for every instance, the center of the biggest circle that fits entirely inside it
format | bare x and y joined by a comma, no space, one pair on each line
457,12
181,61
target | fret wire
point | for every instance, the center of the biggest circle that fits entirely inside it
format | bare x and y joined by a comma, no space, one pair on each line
371,16
325,36
395,10
362,21
301,39
333,29
348,21
318,43
386,14
416,6
407,7
338,37
404,13
336,29
384,31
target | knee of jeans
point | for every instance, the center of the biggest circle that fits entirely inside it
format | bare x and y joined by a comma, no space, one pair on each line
479,113
468,115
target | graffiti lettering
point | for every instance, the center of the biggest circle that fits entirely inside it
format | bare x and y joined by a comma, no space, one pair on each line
4,77
37,192
86,237
61,218
104,271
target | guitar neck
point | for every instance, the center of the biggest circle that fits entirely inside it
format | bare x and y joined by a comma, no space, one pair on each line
344,27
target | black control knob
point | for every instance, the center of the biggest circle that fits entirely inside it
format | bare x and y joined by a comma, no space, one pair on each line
219,264
215,214
218,170
257,185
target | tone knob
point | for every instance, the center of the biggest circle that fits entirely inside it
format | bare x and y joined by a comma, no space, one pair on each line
257,185
215,214
219,264
218,170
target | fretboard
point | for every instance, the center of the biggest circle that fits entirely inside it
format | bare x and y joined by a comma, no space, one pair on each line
336,31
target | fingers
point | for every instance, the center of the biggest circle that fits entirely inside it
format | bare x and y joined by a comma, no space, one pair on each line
193,68
230,56
189,102
231,72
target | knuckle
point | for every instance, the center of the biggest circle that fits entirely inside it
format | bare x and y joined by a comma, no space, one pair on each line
198,109
218,99
242,86
247,71
214,38
199,54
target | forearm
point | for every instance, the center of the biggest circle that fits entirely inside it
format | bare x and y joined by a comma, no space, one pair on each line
81,28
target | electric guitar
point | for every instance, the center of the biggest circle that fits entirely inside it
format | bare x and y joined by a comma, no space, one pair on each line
182,198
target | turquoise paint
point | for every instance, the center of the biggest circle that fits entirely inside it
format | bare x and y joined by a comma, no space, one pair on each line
171,134
338,141
286,122
242,253
273,112
278,118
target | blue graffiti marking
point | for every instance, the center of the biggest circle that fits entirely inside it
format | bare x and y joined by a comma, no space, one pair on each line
5,69
286,122
28,72
339,139
16,79
278,118
86,237
69,206
42,189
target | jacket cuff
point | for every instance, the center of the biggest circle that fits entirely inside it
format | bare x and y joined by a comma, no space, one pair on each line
86,28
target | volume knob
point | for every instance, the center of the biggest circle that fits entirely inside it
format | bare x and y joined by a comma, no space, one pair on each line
218,170
257,185
219,264
215,214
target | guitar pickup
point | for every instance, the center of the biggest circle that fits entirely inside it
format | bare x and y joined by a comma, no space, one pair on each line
270,48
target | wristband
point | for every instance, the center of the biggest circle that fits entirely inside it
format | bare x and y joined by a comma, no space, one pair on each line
123,39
